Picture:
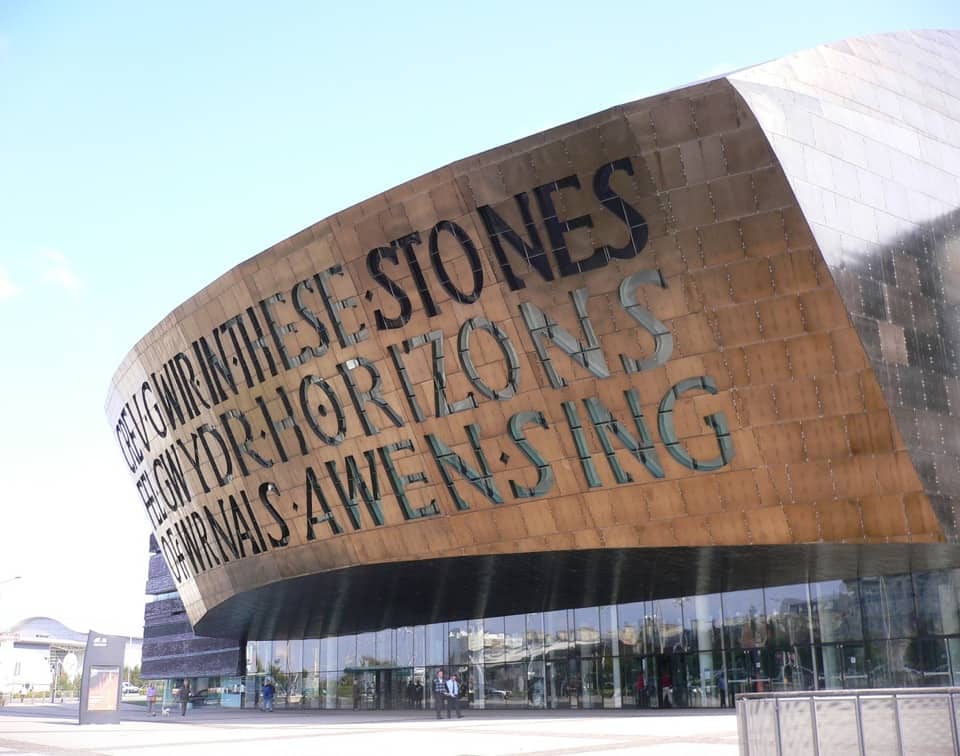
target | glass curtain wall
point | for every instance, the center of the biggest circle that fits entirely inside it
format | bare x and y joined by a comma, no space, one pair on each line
683,652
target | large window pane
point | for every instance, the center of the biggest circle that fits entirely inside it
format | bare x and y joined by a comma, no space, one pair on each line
534,635
475,642
586,631
631,619
888,608
279,661
556,634
744,619
933,666
458,643
609,645
667,625
420,645
366,650
703,622
937,602
435,644
536,680
346,651
404,639
494,649
505,686
294,656
514,635
385,653
788,616
311,656
836,611
328,654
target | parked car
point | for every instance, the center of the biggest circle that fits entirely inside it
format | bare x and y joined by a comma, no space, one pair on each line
128,689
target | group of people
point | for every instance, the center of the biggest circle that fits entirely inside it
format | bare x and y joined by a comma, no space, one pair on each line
446,694
415,694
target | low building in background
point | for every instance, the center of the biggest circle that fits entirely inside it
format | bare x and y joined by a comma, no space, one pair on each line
648,409
39,653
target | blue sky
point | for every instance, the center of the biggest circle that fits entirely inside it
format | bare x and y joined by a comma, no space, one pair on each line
146,149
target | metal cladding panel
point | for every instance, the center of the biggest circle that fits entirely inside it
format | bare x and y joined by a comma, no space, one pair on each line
605,344
868,134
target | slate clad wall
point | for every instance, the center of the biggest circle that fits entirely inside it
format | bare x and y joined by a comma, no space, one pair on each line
170,648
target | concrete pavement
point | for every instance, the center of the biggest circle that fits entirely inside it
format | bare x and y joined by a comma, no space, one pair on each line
52,729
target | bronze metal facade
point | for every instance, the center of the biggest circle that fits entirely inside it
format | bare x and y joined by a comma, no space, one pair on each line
713,330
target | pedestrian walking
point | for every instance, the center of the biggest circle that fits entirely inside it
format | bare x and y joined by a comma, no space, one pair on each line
453,697
184,697
439,692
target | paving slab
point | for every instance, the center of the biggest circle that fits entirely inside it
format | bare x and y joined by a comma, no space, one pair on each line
52,729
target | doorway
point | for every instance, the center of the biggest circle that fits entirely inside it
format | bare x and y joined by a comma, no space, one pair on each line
381,689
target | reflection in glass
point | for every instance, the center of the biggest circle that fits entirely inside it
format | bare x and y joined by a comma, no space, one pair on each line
494,640
556,634
328,654
384,652
514,633
366,650
346,651
937,593
744,619
404,641
419,645
586,632
631,632
458,643
294,656
788,616
435,642
310,656
703,623
704,648
835,606
476,641
665,625
888,608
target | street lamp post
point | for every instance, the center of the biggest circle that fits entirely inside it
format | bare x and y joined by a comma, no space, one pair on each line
5,582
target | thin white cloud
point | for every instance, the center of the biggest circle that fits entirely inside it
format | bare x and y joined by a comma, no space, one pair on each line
58,271
8,288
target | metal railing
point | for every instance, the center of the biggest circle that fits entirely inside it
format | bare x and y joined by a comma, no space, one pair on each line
895,721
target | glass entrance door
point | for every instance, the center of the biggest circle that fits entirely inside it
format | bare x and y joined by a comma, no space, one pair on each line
381,689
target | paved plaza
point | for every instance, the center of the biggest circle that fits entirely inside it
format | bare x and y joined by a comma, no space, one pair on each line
49,729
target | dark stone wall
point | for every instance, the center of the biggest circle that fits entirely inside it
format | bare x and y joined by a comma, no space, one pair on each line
170,647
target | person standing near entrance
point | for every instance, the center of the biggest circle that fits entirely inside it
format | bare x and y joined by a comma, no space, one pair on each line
439,692
151,699
722,688
453,697
184,697
268,691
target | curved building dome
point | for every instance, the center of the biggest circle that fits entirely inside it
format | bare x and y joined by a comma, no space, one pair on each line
45,628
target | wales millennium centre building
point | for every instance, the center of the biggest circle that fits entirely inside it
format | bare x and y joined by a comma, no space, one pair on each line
649,409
